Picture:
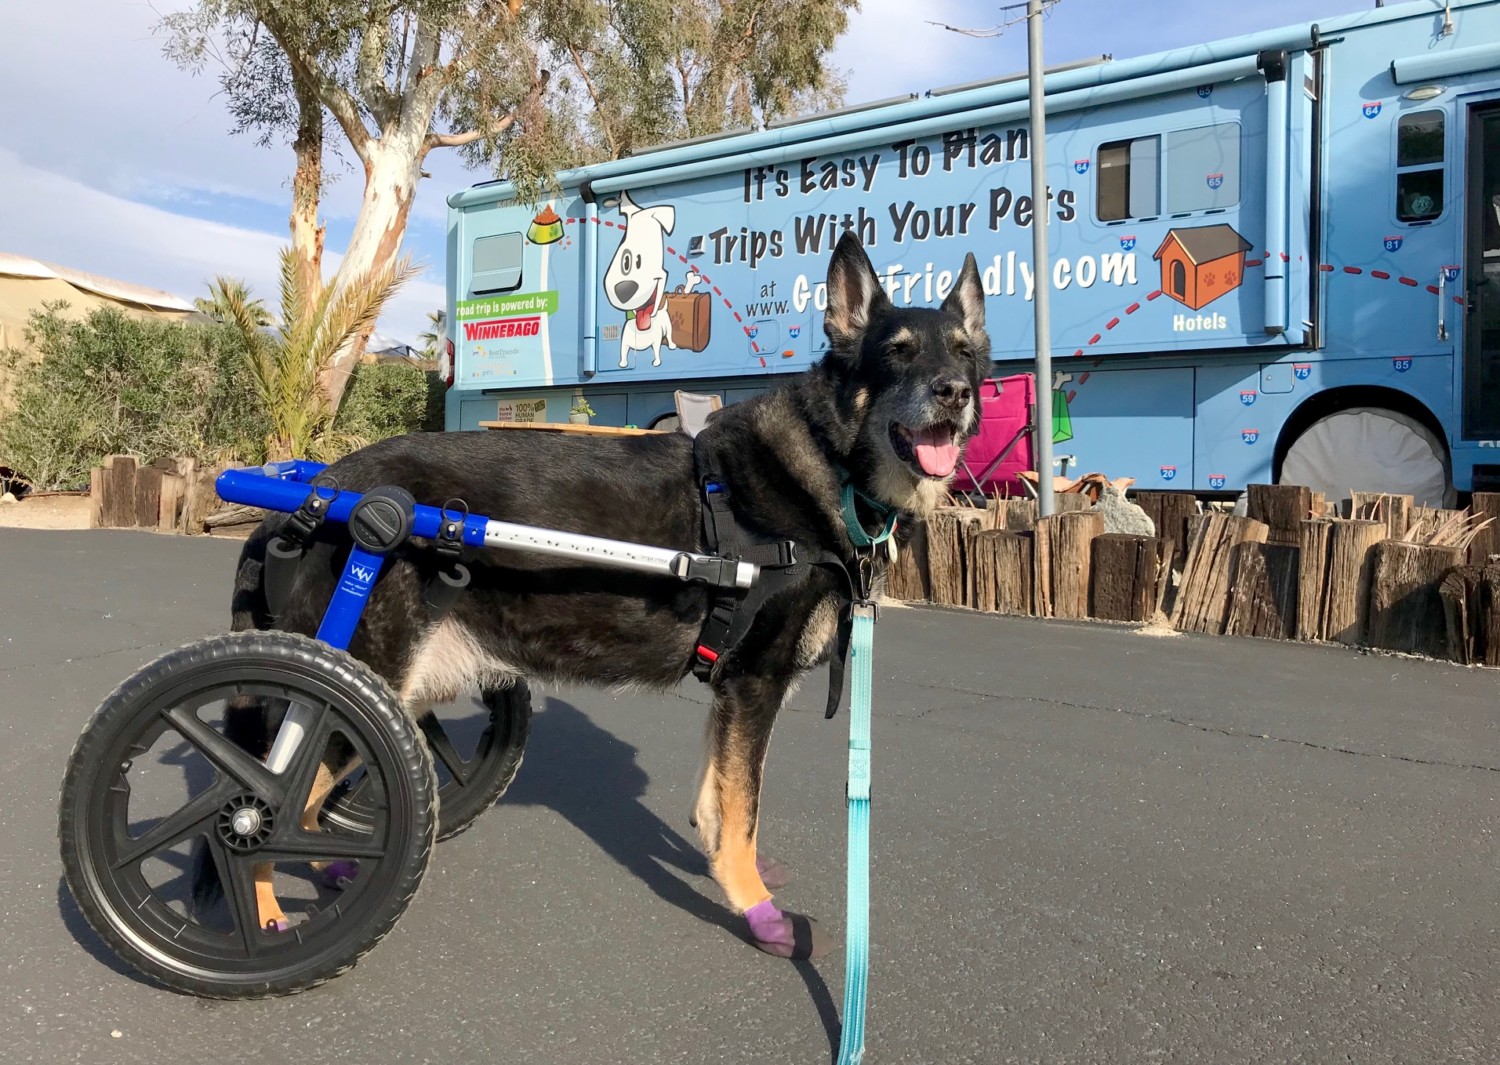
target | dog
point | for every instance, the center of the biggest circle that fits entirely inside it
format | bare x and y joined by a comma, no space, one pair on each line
636,279
892,403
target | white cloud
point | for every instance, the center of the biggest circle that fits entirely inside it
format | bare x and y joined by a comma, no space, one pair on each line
58,219
98,126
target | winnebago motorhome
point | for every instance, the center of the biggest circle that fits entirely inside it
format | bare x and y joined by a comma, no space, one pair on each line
1273,257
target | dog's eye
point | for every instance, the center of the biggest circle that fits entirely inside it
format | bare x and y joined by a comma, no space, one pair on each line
637,262
625,264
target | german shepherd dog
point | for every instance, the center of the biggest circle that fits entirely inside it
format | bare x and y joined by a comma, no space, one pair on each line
892,403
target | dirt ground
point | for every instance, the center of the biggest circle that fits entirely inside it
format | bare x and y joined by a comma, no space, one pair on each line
72,512
46,512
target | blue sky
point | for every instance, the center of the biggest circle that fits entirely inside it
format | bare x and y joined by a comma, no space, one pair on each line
115,162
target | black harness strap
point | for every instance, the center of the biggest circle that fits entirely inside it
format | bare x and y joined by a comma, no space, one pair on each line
284,554
732,611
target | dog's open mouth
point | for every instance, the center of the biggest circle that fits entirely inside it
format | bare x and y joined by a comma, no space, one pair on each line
933,449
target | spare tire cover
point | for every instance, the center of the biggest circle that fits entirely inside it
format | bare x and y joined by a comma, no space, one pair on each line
1371,449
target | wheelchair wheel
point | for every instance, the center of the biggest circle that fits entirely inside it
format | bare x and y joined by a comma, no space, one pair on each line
196,859
467,787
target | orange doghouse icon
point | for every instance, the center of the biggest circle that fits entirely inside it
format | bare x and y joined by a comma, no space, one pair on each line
1199,265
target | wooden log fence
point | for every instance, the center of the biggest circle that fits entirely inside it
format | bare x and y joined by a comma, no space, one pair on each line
174,495
1292,569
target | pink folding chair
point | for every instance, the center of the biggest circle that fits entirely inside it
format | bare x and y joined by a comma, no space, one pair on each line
1003,446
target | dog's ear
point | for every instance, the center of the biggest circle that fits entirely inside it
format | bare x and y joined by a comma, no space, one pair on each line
967,298
665,215
854,292
627,205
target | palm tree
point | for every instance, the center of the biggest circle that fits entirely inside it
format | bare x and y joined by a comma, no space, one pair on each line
221,291
437,319
287,365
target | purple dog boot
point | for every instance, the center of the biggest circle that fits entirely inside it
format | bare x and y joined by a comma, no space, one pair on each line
786,935
340,874
772,873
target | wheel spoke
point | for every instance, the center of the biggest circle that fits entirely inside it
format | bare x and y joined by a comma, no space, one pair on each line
303,771
297,845
442,746
237,874
225,754
189,819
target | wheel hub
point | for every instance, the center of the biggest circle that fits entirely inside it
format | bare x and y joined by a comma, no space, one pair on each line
245,823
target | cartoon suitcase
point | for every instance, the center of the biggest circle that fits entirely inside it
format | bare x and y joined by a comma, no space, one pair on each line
689,312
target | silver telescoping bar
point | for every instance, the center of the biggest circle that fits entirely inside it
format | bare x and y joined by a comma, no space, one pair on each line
685,565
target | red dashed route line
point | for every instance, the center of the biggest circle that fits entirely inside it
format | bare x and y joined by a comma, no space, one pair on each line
1327,268
1250,264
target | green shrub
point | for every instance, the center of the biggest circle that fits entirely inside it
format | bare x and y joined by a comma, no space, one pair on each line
389,399
114,384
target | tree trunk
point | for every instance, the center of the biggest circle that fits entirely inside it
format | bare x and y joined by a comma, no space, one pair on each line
1263,596
307,188
1203,598
1002,571
1394,510
1283,507
1346,597
1312,578
391,175
1128,575
948,532
1487,543
1406,609
1063,549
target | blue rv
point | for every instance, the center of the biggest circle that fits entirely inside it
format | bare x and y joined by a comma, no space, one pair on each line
1274,258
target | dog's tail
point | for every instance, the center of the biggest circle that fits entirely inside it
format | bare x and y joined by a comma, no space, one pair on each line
248,607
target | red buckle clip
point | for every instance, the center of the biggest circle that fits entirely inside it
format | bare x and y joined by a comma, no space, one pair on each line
707,654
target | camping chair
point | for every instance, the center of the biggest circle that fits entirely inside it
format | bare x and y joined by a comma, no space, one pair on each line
693,410
1003,446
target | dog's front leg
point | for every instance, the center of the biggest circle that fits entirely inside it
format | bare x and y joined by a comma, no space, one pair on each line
624,350
728,814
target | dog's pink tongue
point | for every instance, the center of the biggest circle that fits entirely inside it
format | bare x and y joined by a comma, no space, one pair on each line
937,454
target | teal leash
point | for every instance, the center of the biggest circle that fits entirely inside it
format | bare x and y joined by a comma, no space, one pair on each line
857,922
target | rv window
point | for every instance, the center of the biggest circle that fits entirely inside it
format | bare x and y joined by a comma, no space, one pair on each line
1129,179
1419,138
496,263
1203,168
1419,166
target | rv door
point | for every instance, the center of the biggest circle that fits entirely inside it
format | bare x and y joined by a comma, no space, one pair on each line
1481,370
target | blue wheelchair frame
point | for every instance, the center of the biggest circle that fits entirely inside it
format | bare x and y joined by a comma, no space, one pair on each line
294,486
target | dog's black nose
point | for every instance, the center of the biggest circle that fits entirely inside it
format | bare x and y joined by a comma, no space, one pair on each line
625,289
952,392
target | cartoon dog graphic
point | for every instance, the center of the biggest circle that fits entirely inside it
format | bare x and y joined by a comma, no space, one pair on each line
636,281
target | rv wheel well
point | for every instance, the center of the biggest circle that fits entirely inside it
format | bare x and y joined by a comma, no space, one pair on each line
1336,399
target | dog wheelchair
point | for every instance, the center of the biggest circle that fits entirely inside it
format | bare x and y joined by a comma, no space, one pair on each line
140,834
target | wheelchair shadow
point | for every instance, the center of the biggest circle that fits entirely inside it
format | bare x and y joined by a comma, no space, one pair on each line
591,778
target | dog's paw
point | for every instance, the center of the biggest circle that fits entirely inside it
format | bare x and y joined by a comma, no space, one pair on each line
773,874
786,935
340,874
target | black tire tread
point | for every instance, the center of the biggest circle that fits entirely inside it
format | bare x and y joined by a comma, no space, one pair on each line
506,768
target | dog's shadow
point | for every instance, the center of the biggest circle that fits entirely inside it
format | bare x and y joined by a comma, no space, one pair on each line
591,778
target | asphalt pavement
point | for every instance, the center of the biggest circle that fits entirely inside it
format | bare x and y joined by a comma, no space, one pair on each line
1091,845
